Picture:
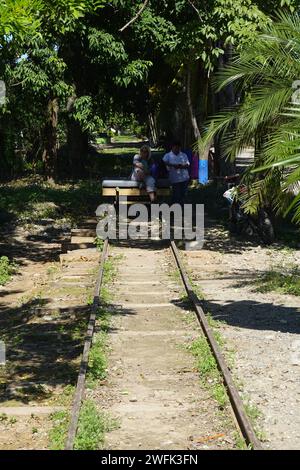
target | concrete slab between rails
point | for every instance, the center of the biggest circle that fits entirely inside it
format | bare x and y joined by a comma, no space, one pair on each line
82,240
163,293
79,270
72,299
60,308
142,409
143,333
135,271
29,410
83,283
149,301
144,283
77,276
82,255
139,252
132,306
148,320
154,280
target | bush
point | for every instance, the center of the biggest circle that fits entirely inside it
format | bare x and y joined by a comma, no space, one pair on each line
6,270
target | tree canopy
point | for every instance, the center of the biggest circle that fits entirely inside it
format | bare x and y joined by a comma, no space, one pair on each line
76,68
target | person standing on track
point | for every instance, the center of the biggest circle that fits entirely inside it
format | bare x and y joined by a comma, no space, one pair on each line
178,164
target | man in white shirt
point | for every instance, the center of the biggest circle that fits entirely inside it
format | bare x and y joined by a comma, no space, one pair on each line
178,165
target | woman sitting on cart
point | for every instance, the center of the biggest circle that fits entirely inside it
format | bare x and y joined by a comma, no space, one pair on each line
142,172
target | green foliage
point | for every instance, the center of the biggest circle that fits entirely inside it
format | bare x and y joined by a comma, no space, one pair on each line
240,442
287,282
208,370
6,270
264,72
58,432
18,18
105,48
98,363
252,411
92,427
212,26
99,243
63,15
84,114
67,66
31,200
97,358
134,72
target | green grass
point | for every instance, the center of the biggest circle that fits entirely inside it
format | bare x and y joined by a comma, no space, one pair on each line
120,152
92,426
66,396
208,371
97,359
98,363
58,433
197,290
215,324
7,269
29,200
212,380
210,374
109,274
99,244
240,443
175,275
3,417
252,412
101,140
282,281
206,363
125,139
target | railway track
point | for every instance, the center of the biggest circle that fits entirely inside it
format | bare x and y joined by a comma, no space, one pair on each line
241,420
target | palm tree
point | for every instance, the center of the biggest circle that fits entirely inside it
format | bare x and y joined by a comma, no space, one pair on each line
266,77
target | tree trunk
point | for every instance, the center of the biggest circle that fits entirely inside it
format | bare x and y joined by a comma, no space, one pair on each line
153,129
190,105
50,141
2,155
78,143
224,99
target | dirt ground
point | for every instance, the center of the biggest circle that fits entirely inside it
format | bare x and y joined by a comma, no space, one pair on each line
43,317
263,329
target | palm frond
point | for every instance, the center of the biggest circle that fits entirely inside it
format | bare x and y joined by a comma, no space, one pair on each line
265,73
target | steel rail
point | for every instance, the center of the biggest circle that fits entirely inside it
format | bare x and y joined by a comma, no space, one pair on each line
80,387
235,399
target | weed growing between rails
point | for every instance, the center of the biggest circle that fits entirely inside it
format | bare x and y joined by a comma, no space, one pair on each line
98,363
